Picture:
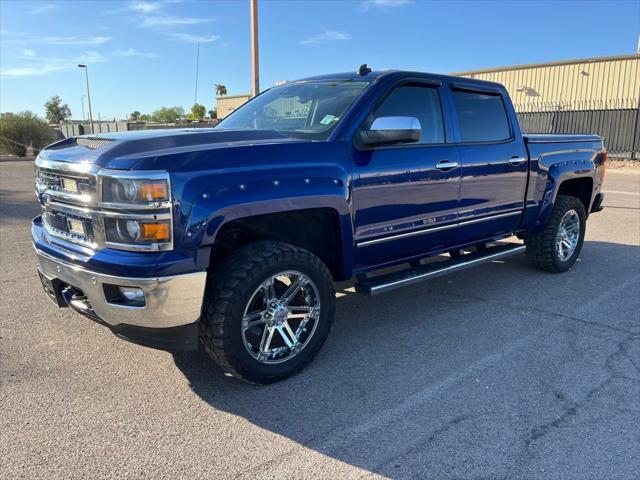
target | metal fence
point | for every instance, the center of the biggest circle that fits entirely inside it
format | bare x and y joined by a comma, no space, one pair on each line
620,127
75,129
156,126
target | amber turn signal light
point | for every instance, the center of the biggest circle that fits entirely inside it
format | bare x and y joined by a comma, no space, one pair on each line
150,192
158,232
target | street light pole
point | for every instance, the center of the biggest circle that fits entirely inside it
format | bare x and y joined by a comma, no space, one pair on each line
86,74
195,96
255,67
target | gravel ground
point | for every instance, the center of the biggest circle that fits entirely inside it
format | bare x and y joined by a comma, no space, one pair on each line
497,372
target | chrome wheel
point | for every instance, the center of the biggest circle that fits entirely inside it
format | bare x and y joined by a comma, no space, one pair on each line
568,235
281,317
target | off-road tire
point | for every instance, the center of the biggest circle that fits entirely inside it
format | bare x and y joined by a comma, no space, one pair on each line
541,247
229,287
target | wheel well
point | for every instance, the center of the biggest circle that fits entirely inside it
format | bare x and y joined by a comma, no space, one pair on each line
581,188
316,230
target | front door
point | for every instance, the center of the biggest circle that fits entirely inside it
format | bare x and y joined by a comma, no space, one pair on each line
405,197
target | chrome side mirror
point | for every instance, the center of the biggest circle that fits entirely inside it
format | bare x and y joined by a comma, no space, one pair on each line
390,130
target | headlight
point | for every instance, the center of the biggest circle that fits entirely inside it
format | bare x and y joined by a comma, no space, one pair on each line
120,190
131,231
136,210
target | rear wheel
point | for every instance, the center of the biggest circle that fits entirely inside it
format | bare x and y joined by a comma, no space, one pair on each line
557,247
268,309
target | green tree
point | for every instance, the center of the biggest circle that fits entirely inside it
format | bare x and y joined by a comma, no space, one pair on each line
220,90
19,131
213,113
56,111
145,117
167,115
135,116
197,111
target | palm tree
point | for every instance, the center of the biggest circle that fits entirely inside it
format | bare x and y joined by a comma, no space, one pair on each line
220,90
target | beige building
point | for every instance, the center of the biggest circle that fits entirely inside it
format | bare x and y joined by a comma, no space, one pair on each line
583,84
598,83
228,103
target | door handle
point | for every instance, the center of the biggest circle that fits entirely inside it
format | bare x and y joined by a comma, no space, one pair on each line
517,160
446,165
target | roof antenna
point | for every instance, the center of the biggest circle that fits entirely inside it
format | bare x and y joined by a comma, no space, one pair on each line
364,69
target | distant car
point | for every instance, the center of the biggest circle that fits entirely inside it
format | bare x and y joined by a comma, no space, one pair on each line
233,236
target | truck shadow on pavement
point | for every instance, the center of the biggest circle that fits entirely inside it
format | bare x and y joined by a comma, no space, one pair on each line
399,373
14,205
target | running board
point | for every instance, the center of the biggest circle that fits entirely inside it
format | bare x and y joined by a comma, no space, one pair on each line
390,281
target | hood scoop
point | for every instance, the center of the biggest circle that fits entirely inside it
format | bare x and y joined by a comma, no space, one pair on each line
93,142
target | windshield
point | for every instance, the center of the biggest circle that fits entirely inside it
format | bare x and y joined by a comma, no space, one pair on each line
300,110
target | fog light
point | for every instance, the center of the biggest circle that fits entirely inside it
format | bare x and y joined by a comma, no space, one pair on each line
132,296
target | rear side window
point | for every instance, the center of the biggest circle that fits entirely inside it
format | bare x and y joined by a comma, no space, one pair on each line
482,116
415,101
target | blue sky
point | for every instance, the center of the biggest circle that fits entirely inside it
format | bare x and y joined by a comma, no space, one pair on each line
141,54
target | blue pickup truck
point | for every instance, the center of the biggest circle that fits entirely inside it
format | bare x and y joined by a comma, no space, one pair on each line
232,237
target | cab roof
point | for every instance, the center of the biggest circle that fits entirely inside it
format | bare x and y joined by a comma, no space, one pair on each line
380,74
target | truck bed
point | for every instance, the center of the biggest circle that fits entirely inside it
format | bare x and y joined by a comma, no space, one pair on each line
559,138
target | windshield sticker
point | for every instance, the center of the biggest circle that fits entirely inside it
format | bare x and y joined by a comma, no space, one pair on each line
328,119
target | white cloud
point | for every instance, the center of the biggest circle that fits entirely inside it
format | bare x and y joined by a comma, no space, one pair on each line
187,37
87,41
143,7
326,37
27,52
169,21
90,57
31,71
41,8
51,65
367,4
130,52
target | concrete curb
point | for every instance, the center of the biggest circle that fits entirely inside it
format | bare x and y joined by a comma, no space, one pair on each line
622,171
16,159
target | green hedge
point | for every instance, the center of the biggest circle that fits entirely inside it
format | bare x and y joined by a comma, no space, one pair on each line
18,131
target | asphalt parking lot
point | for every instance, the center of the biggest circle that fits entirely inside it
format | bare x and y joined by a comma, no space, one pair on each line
497,372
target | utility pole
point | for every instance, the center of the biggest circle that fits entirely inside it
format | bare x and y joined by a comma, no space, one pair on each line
255,66
86,74
195,97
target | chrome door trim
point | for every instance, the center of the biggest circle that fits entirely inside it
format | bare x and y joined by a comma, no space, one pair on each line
407,234
492,217
425,231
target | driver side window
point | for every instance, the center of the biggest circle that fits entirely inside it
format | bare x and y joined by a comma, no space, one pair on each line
419,101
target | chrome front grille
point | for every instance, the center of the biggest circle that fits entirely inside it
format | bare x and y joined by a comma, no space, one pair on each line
57,221
69,226
73,184
66,195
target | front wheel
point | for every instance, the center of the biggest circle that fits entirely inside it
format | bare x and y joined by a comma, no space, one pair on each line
556,248
268,309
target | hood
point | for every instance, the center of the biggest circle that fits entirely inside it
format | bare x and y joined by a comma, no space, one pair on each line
126,150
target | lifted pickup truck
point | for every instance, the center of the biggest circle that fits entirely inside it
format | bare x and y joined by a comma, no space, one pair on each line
232,237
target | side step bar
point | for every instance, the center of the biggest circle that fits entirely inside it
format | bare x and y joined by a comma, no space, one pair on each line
390,281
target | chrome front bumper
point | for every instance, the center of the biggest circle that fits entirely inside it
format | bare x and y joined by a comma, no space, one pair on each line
170,301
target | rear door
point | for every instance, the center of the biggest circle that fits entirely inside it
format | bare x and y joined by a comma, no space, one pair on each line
494,163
